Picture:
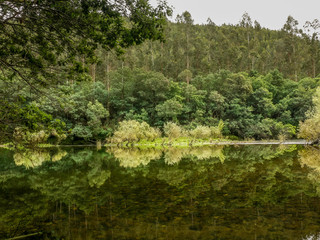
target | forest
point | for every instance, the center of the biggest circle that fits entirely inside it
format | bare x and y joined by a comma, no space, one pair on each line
119,120
141,76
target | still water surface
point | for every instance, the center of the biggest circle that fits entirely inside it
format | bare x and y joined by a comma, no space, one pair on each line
225,192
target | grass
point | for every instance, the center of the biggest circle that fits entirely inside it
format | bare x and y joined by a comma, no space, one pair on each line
185,142
167,142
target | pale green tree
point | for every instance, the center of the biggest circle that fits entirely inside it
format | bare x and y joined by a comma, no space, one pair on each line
310,128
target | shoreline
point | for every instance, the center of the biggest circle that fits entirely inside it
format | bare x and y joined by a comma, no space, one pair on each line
207,143
189,144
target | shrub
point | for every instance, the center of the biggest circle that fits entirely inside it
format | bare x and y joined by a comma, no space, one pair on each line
287,131
201,132
172,130
309,129
24,137
216,132
134,131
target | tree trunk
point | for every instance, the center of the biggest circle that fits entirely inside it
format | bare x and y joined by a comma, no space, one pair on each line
108,82
93,72
313,67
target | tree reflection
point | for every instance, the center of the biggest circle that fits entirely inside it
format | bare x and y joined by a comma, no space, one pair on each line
31,158
134,157
237,192
310,157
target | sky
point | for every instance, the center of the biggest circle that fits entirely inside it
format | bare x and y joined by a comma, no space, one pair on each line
270,14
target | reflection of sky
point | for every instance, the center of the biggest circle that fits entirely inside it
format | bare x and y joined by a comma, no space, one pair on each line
271,14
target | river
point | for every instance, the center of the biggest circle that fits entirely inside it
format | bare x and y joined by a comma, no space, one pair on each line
209,192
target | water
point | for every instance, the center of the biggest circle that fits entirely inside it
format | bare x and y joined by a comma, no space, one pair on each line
224,192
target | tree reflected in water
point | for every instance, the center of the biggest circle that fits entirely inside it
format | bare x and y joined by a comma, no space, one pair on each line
310,157
231,192
31,158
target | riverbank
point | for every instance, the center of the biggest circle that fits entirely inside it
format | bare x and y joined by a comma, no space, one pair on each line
194,143
179,143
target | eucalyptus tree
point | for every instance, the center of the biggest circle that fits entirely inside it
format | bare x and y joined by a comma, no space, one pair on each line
246,23
313,31
291,30
185,19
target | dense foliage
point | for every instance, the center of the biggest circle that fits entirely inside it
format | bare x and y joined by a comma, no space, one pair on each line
44,43
309,129
259,106
192,50
42,39
201,74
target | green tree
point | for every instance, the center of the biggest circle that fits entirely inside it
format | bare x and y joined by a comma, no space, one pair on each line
312,37
246,23
37,36
185,19
170,109
309,129
80,108
291,30
261,101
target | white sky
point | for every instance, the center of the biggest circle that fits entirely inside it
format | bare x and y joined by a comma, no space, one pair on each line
271,14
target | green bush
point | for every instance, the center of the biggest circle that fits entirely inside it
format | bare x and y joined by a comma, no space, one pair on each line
309,129
216,132
172,130
200,132
286,131
22,136
134,131
205,132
